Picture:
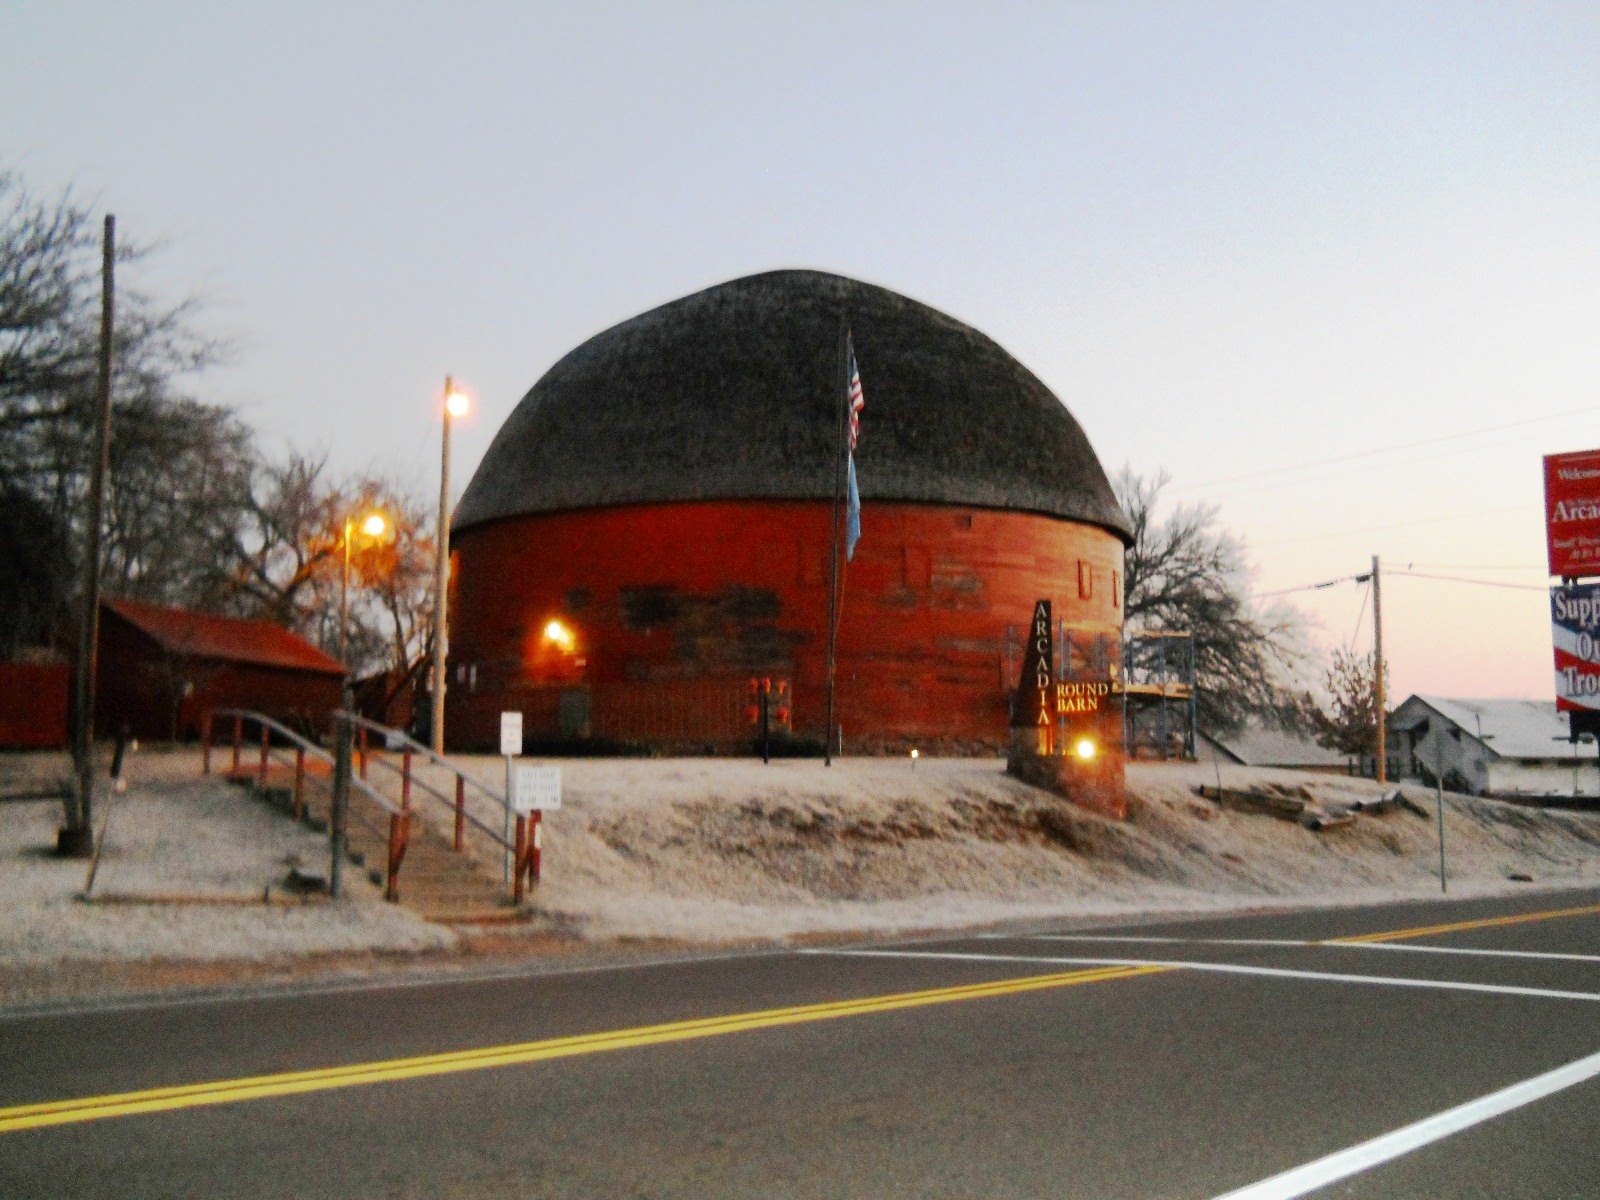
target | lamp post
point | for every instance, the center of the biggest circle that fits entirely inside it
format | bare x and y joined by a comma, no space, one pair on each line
455,405
373,525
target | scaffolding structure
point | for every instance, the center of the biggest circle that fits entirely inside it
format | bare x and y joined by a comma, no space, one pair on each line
1158,695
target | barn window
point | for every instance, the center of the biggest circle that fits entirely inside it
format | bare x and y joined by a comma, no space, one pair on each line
1085,581
1116,589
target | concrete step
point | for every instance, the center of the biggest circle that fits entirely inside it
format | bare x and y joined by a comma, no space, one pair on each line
434,881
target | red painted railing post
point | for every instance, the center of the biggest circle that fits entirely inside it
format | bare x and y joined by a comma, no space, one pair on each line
299,782
361,738
266,740
518,859
461,809
405,779
536,850
399,833
205,742
238,741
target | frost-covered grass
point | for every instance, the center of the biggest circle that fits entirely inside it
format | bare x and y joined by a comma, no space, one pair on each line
718,850
174,835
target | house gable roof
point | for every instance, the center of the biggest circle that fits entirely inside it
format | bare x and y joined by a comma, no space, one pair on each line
223,639
1511,728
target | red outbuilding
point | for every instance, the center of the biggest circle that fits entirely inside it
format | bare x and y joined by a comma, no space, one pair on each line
160,669
650,532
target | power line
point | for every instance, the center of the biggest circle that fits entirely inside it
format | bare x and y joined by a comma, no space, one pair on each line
1360,454
1366,593
1494,583
1316,537
1539,567
1310,587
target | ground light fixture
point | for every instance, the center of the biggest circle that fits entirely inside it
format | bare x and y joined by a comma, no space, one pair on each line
1085,749
560,635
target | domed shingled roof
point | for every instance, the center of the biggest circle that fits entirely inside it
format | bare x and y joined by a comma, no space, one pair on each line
734,392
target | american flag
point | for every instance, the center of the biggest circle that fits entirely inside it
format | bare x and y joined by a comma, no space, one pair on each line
857,400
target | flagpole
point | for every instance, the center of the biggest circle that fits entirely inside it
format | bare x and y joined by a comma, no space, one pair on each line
838,488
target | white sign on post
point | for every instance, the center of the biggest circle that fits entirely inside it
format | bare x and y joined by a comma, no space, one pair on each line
537,788
511,734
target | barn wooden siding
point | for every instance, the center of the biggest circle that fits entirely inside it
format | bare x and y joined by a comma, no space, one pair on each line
158,694
35,703
676,606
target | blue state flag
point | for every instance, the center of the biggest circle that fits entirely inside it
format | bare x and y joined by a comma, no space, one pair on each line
852,521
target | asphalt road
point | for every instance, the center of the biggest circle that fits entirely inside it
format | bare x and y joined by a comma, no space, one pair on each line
1194,1059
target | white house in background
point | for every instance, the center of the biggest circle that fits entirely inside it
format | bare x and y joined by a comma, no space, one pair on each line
1491,747
1257,746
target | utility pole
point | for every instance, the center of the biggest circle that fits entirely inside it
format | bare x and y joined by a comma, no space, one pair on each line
1377,670
77,838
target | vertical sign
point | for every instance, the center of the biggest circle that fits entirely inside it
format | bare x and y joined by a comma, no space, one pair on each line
1575,630
510,734
1572,512
1035,690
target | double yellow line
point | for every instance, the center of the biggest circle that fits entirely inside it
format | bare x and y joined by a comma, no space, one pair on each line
1399,935
289,1083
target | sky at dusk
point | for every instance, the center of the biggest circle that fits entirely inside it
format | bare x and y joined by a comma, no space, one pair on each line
1333,267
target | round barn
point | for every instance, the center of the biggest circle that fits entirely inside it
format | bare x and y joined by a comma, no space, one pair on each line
648,538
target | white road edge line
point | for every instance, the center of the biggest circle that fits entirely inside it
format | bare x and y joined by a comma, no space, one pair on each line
1443,985
1363,1156
1329,945
48,1009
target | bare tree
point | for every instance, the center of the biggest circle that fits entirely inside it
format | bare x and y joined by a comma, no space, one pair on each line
1183,573
1351,726
285,562
177,462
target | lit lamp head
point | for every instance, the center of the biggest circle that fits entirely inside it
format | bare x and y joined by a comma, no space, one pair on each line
374,525
456,403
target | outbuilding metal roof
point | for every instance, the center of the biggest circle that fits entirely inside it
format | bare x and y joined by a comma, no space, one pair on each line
733,393
1511,728
1255,745
187,634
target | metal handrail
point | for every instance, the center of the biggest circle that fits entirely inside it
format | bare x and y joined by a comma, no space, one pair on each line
525,850
416,747
399,818
310,748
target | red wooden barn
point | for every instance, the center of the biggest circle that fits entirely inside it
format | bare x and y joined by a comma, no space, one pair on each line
650,529
160,669
34,703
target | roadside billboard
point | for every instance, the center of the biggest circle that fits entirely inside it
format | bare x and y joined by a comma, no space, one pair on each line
1575,631
1572,512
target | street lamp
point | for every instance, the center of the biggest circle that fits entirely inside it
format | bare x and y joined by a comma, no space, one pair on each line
456,404
372,525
